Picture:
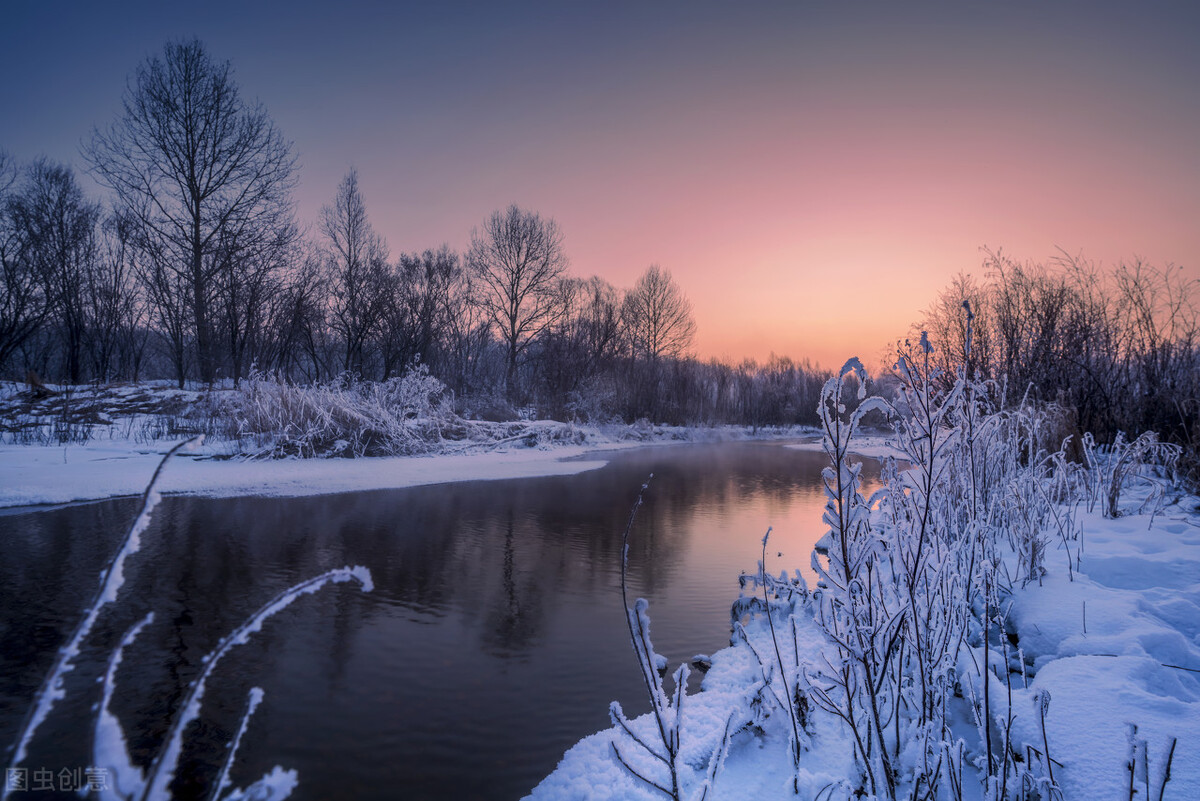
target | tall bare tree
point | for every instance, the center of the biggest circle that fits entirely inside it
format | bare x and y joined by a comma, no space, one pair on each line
575,353
356,260
658,316
299,337
193,164
519,260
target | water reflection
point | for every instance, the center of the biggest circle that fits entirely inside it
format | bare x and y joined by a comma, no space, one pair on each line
493,641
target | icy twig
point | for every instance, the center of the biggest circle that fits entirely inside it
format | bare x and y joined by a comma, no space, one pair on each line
162,770
111,580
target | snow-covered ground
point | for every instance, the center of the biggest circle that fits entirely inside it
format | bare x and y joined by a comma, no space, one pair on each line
107,468
36,474
1109,645
873,447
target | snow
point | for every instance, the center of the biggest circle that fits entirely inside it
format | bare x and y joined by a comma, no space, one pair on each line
871,447
1138,661
39,474
275,786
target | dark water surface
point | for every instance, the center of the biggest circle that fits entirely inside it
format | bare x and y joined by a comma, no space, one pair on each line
493,641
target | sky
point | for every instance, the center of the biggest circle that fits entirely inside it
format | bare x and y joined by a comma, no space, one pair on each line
811,174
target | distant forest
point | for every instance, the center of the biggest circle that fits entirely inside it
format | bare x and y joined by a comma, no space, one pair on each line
194,268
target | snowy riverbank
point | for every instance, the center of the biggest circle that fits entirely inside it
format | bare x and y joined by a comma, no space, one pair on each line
1117,645
105,468
998,622
67,444
35,474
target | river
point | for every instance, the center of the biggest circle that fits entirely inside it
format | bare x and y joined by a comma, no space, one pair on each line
494,638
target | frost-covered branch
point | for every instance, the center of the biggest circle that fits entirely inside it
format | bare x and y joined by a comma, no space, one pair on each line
111,581
162,769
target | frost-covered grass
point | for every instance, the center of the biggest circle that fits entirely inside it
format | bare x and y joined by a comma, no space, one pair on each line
995,623
343,417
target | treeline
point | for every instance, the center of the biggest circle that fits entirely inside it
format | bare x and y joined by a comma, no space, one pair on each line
195,268
1119,348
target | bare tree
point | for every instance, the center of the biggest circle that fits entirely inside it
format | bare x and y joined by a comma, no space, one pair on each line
356,259
250,272
519,260
117,336
193,164
57,227
467,336
23,302
415,324
658,316
573,356
299,336
167,291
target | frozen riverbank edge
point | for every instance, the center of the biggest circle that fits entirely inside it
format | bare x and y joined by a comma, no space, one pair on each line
1117,646
107,468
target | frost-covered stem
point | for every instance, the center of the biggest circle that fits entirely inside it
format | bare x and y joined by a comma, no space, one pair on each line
252,701
862,661
987,673
876,720
849,717
920,393
1008,722
842,676
639,637
1061,526
1166,777
897,700
162,769
717,759
1043,703
110,751
628,767
927,492
625,553
789,693
969,380
111,580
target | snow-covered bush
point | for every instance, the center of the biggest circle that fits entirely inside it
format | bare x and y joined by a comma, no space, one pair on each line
344,417
914,585
1111,467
